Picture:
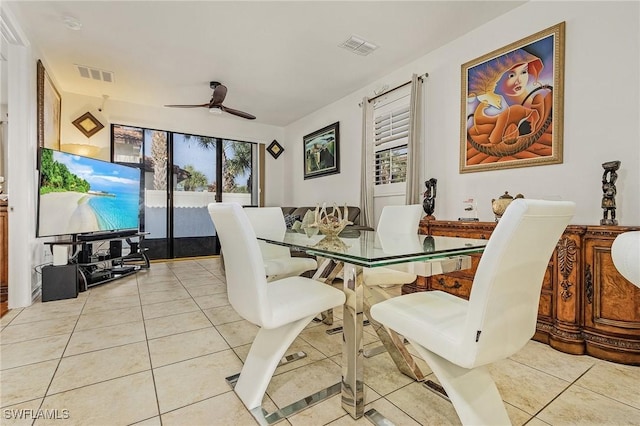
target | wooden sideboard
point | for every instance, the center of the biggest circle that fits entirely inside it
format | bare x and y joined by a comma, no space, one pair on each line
586,306
4,258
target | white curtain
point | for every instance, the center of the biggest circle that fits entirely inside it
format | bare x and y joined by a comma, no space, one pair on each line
414,187
3,127
367,176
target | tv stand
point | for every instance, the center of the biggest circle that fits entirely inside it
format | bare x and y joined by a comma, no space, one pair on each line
107,235
98,265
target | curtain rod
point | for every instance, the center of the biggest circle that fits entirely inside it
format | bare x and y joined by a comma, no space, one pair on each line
397,87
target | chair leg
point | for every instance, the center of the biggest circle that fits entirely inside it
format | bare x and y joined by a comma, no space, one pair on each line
392,341
266,351
472,391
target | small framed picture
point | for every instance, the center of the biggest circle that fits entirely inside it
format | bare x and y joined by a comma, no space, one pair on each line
469,210
275,149
322,152
88,124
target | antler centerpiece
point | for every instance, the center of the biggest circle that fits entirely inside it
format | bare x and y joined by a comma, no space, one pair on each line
331,224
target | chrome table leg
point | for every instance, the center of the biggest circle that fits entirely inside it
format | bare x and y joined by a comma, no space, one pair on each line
352,360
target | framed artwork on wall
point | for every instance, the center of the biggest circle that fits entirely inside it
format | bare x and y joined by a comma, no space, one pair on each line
322,152
512,104
275,149
88,124
49,110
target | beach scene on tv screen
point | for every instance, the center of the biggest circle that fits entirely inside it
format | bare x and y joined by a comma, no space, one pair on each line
80,194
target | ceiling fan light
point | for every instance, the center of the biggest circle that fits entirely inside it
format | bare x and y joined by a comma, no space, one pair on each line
215,110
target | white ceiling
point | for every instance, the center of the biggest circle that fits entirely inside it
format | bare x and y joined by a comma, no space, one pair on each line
279,60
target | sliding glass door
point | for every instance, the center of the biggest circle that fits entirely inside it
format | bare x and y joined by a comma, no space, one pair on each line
156,221
182,174
238,165
194,186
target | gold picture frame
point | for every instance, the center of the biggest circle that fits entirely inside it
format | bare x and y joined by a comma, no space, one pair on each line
88,124
512,102
49,110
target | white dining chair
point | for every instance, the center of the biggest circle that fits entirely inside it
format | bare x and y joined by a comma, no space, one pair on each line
459,338
625,252
278,262
281,309
397,225
394,220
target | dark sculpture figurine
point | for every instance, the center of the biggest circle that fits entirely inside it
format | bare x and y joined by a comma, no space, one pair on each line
429,202
609,178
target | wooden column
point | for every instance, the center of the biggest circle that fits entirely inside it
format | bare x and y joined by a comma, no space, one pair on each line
4,258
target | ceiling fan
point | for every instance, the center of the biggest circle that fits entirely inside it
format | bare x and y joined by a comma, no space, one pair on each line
215,104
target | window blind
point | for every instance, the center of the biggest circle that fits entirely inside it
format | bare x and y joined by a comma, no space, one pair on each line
391,165
391,130
391,125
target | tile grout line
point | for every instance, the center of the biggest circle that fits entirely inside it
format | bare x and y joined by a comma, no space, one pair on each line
44,397
153,376
558,395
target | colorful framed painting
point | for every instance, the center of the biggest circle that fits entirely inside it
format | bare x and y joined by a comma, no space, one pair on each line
512,105
322,152
49,110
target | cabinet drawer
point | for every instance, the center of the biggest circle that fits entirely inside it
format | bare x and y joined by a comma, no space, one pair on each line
452,283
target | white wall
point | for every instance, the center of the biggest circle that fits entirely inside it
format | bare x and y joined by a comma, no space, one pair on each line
25,251
601,117
192,121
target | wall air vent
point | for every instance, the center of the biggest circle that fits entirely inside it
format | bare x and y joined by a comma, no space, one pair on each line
95,73
358,46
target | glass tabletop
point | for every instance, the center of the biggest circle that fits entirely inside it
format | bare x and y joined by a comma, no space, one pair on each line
371,249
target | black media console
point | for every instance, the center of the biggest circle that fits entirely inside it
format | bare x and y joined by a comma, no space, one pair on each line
101,259
107,235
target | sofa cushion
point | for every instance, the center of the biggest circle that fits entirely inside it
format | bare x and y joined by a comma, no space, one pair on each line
290,219
354,212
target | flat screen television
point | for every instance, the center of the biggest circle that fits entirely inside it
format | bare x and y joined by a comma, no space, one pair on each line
80,195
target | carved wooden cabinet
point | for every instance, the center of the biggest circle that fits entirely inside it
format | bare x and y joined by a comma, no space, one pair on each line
4,258
586,306
611,303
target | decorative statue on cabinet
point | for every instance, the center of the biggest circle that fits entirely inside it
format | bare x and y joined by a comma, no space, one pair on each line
609,190
429,202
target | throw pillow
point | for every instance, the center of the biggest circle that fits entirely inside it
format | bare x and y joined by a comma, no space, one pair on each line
290,219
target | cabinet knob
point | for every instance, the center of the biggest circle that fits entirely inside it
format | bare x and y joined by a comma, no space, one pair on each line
455,284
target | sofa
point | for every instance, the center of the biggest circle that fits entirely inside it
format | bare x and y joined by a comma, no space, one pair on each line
291,214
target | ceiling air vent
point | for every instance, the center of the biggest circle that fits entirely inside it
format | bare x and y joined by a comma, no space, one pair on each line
358,46
95,73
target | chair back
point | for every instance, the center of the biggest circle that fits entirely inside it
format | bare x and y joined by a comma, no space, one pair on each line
503,305
625,252
400,219
268,222
244,267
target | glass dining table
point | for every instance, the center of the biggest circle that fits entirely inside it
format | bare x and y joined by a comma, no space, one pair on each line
354,250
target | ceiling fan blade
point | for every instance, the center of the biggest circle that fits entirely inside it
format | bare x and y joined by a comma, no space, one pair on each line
238,113
219,93
187,106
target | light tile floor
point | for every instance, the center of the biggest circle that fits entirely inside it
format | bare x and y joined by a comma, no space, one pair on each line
154,349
